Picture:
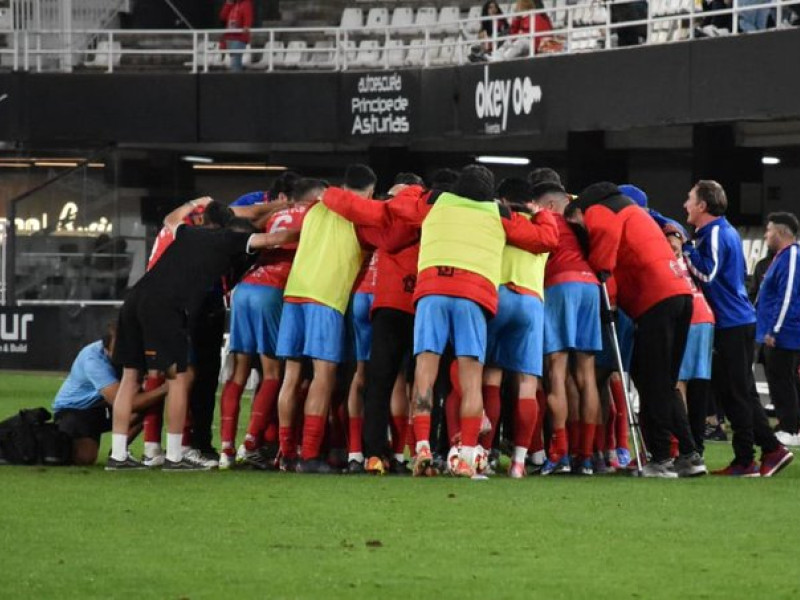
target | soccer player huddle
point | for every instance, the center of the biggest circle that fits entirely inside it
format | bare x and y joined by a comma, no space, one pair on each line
403,334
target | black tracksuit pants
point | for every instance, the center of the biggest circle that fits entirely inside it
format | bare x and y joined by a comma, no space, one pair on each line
735,388
659,343
206,333
392,341
782,377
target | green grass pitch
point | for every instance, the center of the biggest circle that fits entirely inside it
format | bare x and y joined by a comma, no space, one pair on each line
85,533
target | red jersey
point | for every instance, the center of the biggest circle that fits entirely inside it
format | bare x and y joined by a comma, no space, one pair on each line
397,279
567,263
365,281
412,205
238,15
626,241
165,237
701,311
273,266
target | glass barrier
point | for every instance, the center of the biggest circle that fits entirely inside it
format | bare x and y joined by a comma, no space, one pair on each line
75,239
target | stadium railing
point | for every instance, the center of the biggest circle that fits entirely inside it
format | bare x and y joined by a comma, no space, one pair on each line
588,26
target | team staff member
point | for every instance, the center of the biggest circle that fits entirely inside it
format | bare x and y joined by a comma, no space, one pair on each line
626,241
82,405
716,260
152,330
778,323
460,262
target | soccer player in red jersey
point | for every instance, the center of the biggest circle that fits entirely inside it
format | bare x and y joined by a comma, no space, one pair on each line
463,235
257,302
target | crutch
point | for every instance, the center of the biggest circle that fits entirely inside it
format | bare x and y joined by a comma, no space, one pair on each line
633,420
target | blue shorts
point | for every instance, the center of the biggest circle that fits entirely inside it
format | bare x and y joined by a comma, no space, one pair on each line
516,333
311,330
360,307
572,318
255,318
625,331
696,363
442,319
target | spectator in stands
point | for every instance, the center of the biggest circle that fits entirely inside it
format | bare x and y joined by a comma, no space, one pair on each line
713,25
238,15
757,19
491,9
521,27
630,11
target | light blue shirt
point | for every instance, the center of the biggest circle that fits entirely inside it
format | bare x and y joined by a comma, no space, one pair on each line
90,373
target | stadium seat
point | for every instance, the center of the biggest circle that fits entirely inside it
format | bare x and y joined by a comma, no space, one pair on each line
321,55
369,54
447,51
352,18
474,26
277,50
377,19
448,20
395,53
599,15
416,53
403,16
295,54
100,57
558,16
349,51
657,8
426,18
686,6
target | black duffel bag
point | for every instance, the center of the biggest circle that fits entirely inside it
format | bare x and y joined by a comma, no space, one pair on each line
30,438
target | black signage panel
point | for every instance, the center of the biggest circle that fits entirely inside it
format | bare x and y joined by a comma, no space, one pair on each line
502,98
124,107
268,107
28,336
379,104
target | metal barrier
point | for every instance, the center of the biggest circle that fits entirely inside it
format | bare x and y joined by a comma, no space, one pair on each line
581,27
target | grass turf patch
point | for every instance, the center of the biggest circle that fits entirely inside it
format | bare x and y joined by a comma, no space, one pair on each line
82,532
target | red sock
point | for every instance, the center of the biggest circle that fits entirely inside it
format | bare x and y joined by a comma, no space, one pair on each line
422,428
452,414
558,444
411,438
399,426
491,406
621,426
574,436
525,416
470,428
673,447
287,441
263,403
271,433
187,429
154,415
537,441
229,413
313,432
587,439
354,439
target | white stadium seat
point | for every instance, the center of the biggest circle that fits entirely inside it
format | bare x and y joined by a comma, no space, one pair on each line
426,18
448,20
352,18
321,56
369,54
403,16
277,50
295,54
377,18
474,26
101,55
395,53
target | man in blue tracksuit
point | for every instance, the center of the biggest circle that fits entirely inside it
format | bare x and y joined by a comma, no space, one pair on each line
778,322
716,261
